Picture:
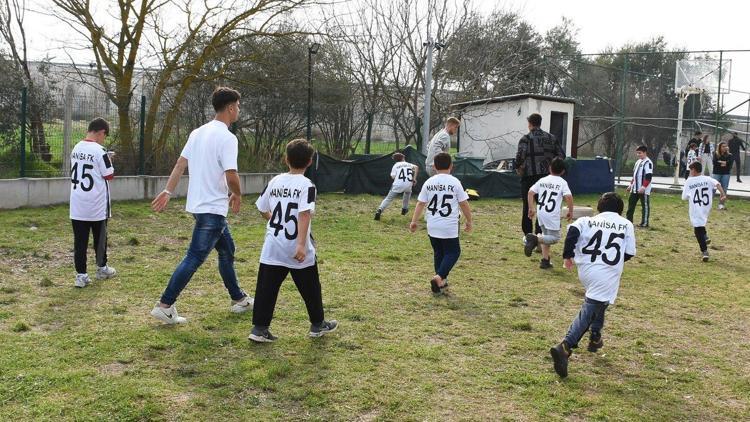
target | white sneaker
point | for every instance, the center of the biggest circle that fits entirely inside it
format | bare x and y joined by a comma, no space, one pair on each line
105,272
82,280
244,305
167,315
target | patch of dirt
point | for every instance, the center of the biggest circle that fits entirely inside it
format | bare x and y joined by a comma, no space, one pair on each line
115,369
369,416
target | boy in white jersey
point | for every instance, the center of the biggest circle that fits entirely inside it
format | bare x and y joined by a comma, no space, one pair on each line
404,175
600,246
551,190
90,205
288,203
640,186
699,192
210,155
443,196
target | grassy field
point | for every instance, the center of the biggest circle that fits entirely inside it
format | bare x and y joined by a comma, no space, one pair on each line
676,340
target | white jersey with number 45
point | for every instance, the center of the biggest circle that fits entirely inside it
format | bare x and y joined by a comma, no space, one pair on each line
442,194
285,196
403,176
550,190
699,192
600,253
89,190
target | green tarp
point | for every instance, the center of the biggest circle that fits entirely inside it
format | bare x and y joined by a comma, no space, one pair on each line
371,174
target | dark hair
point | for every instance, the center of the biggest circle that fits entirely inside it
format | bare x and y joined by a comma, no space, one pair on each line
610,202
535,119
224,96
642,148
299,152
442,161
99,124
557,166
397,156
698,132
697,166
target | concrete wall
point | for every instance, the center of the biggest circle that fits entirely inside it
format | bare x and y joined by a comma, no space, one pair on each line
16,193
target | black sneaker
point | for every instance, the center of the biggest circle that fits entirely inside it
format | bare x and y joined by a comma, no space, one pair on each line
545,264
434,286
708,240
261,335
531,242
323,328
595,345
560,354
643,225
705,255
404,211
377,215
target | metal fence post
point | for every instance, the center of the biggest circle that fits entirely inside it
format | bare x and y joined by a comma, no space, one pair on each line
142,137
67,130
24,95
620,146
717,131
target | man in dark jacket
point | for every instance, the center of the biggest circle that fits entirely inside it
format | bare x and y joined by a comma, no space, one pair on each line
535,152
734,148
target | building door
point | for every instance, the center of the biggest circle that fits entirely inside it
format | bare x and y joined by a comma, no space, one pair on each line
558,126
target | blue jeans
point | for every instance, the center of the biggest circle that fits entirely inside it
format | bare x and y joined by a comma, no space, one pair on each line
591,317
210,232
723,179
446,253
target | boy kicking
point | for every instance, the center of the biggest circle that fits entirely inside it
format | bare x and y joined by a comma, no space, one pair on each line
699,192
288,203
600,246
404,175
442,195
550,190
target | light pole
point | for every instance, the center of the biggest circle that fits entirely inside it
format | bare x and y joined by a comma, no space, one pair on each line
312,49
430,44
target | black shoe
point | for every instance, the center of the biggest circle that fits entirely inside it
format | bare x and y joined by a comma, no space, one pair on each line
261,335
323,328
739,181
545,264
377,215
705,256
531,242
643,226
595,345
560,354
404,211
434,286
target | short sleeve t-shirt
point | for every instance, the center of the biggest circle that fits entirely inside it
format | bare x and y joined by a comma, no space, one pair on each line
642,168
210,150
89,188
442,194
551,190
600,253
403,176
285,196
699,192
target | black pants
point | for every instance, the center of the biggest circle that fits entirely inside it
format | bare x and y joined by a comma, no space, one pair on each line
645,207
81,231
737,164
526,224
270,278
701,235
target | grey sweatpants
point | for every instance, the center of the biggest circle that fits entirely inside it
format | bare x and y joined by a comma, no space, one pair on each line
549,237
392,194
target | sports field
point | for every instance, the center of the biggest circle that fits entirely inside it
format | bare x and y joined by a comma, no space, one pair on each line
676,341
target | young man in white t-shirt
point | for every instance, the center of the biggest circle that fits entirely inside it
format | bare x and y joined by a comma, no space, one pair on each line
699,192
288,203
210,155
442,195
551,191
90,206
404,175
600,245
640,186
440,143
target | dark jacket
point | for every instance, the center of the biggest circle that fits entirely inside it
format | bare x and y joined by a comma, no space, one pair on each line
718,169
735,144
535,151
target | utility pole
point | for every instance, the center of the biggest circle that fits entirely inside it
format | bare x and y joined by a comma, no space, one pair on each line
430,44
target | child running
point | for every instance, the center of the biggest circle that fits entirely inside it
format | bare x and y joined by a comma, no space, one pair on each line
404,175
550,190
288,203
600,246
443,195
699,192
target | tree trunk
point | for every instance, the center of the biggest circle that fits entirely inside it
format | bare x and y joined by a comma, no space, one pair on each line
368,137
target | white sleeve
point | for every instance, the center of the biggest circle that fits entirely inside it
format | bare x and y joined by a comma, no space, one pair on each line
106,168
461,195
566,189
187,149
685,194
535,187
393,171
263,203
307,199
228,154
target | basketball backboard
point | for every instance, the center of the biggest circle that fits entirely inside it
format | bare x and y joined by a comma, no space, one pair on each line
696,75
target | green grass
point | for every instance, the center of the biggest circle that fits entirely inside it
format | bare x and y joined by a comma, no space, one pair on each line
676,340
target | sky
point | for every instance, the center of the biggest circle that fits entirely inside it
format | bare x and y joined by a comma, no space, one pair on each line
686,24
